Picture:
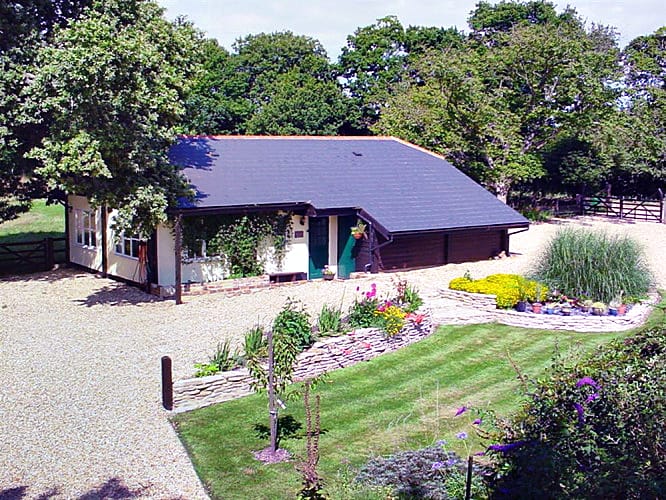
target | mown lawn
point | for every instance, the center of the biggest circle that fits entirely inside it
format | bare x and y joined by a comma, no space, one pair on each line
403,400
42,221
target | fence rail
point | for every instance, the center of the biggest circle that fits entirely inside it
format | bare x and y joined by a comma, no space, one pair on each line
624,208
26,256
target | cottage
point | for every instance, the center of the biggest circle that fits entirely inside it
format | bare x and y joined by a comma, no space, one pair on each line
417,208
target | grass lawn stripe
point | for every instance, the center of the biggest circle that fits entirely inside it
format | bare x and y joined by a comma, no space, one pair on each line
376,407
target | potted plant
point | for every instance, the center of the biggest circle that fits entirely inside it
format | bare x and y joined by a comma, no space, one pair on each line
549,308
586,305
598,308
521,305
358,231
327,273
536,305
565,309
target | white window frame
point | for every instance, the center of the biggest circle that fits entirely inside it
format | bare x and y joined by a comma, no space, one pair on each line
85,223
128,246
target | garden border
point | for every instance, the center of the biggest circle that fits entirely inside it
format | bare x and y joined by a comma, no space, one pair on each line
323,356
485,303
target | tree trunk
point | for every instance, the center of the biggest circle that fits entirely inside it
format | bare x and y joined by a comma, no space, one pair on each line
272,408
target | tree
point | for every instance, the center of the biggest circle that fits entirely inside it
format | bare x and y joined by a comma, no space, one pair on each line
377,57
112,86
494,109
24,26
277,83
645,62
298,104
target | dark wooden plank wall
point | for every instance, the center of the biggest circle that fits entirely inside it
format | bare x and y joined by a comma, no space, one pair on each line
416,250
468,246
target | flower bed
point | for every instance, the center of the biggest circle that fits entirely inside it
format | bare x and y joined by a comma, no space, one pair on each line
328,354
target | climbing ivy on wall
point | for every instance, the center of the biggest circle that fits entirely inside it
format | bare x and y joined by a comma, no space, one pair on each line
237,239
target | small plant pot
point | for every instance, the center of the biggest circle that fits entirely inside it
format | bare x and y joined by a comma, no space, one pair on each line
566,312
622,310
536,308
521,306
549,310
598,311
612,311
357,236
328,277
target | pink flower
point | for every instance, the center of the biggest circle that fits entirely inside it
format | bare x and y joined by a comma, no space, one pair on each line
346,352
367,345
461,410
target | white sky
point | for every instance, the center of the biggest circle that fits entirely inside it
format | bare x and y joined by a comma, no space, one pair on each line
331,22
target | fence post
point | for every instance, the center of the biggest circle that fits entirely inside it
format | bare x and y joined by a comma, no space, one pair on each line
621,207
167,383
662,216
49,257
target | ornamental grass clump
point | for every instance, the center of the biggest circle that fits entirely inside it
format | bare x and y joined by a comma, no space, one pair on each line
595,264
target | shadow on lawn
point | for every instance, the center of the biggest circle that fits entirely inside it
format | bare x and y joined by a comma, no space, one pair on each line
113,488
288,427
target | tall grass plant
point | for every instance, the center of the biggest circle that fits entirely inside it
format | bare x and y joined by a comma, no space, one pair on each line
594,264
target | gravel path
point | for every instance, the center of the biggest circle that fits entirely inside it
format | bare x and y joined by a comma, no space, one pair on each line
80,412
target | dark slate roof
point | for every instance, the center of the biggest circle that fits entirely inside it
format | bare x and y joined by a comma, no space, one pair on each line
401,186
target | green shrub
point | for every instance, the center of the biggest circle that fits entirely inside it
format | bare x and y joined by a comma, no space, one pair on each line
508,288
330,320
223,360
592,428
362,312
594,264
535,214
408,297
256,344
294,322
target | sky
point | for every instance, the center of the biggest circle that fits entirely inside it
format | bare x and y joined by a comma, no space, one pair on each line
331,22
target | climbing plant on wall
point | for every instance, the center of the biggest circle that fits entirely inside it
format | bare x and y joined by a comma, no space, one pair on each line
238,239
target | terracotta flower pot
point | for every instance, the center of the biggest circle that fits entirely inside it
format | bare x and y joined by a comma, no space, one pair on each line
536,308
622,309
357,236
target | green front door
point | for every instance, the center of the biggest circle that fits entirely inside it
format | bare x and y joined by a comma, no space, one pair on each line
318,245
346,242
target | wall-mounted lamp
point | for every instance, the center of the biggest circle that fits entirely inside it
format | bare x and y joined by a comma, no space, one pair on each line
302,221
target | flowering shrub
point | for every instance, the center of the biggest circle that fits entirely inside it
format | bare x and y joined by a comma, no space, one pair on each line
508,288
391,314
391,318
592,428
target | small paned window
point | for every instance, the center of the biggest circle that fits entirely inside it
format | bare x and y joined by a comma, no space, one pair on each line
86,227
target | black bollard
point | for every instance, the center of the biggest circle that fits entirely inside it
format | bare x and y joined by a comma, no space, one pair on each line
167,383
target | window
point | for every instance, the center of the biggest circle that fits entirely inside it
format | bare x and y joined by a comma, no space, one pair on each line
85,222
128,246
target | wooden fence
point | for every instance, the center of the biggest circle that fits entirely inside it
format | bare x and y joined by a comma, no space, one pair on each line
625,208
28,256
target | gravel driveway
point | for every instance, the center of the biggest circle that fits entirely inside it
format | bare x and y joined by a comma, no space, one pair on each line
80,413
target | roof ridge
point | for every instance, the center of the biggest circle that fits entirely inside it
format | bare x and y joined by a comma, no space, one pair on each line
291,137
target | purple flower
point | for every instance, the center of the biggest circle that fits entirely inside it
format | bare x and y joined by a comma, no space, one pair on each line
592,397
587,381
451,462
505,448
442,442
460,410
373,286
581,413
478,421
461,435
480,454
437,466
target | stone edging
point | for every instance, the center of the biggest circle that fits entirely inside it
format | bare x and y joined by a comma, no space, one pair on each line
635,317
328,354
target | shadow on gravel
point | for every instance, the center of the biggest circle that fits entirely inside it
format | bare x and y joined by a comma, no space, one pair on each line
113,488
118,294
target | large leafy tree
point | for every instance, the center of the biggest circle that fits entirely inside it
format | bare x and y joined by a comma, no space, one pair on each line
111,86
494,108
277,83
377,57
645,62
25,25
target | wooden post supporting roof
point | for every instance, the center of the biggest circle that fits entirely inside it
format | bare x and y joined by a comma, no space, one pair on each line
178,251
